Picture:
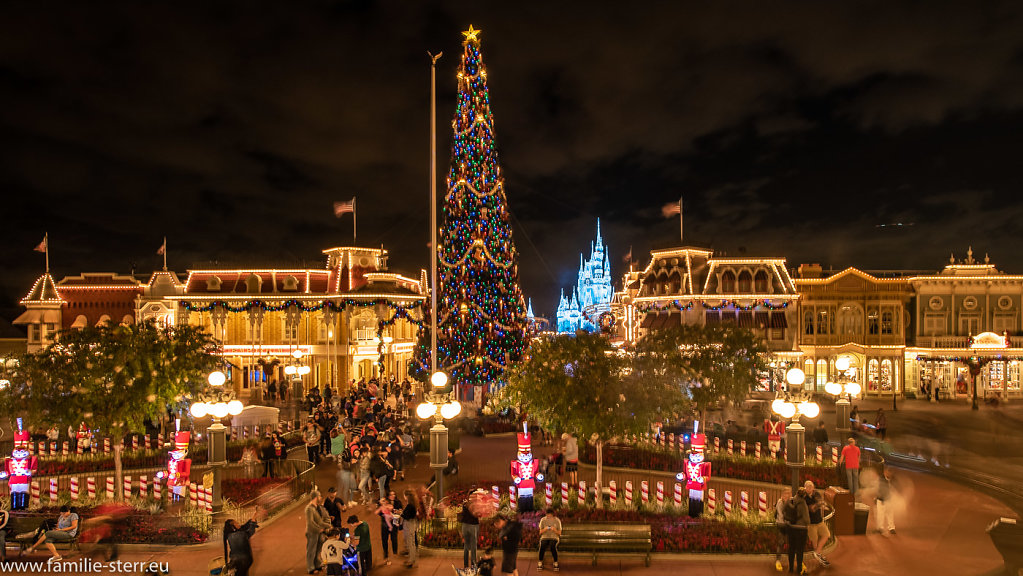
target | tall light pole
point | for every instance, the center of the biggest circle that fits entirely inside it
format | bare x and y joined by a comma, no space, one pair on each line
843,389
218,403
793,405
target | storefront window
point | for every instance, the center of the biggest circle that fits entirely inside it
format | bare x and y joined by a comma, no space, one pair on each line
995,375
886,376
822,373
873,370
1012,380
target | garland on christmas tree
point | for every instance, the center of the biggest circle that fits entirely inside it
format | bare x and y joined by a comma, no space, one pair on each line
481,315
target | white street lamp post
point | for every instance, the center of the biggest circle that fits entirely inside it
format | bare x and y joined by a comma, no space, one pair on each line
440,407
844,389
218,403
794,404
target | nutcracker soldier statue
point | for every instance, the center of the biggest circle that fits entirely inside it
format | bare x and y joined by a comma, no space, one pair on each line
524,470
18,468
178,467
774,428
696,474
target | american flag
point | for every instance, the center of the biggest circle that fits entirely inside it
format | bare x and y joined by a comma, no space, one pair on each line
671,208
163,248
344,208
42,245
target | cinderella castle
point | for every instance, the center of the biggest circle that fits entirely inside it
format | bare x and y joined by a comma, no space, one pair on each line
592,293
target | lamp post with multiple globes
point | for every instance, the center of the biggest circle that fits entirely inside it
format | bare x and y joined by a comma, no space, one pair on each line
844,389
296,371
793,403
217,403
440,407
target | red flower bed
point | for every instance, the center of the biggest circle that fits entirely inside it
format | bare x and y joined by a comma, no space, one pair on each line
669,533
139,527
242,490
737,467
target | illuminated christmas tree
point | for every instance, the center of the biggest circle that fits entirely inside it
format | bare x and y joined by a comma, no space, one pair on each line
481,314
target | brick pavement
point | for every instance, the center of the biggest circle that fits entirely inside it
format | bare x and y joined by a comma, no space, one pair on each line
940,531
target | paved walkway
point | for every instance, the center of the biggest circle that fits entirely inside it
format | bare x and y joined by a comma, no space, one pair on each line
940,531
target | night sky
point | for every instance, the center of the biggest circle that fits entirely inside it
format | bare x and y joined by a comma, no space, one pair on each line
802,130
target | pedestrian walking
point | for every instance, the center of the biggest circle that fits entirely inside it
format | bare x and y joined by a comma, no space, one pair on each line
817,531
550,536
881,424
410,517
317,523
362,543
237,549
885,511
820,434
365,478
470,534
782,526
388,527
510,534
311,435
571,452
346,478
850,458
797,517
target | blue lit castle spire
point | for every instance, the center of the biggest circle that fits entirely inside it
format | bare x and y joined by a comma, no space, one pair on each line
592,293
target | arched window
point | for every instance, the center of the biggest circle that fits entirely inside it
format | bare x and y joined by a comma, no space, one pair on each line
213,283
850,320
808,368
873,375
823,322
822,373
887,323
808,322
872,324
728,283
885,378
760,282
745,282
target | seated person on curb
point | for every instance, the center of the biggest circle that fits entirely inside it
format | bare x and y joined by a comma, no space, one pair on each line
67,528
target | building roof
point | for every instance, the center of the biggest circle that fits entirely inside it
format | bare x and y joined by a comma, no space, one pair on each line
44,291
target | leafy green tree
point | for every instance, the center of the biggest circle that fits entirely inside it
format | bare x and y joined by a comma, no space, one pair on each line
115,378
582,384
713,363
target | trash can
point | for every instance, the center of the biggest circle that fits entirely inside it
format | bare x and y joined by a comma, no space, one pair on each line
842,502
1007,537
862,513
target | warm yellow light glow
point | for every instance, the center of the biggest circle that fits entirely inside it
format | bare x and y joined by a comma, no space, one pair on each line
439,379
217,378
426,410
472,34
297,354
853,389
290,370
788,410
199,410
450,410
842,364
795,377
219,410
833,388
776,405
234,407
809,409
303,370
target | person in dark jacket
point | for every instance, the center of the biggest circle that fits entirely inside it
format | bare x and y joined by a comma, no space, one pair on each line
511,535
797,516
470,534
237,549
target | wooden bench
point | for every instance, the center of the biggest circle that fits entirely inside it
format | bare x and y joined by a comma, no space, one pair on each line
24,528
598,538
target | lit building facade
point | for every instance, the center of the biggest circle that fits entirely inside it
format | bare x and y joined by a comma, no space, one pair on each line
967,314
592,293
857,315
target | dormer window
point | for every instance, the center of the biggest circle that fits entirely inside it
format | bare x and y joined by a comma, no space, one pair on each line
213,284
290,284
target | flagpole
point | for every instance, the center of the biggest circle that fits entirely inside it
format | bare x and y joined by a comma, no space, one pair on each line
46,251
433,213
681,237
164,253
354,240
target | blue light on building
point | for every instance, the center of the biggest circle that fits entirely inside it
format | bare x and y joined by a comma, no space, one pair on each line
592,293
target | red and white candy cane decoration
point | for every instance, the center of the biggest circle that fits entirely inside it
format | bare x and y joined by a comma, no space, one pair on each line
581,493
135,442
496,493
820,455
628,493
644,492
90,487
53,489
106,445
660,494
74,487
742,447
148,442
208,498
80,448
744,502
42,449
34,492
834,455
255,430
548,494
513,498
32,448
110,487
193,498
598,495
730,445
564,493
143,486
717,443
756,450
127,487
65,448
613,493
712,501
762,503
157,489
785,452
671,440
678,495
728,501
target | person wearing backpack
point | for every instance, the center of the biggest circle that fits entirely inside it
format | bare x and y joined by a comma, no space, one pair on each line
782,526
797,517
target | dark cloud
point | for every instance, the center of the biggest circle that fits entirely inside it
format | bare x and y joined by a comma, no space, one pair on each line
792,130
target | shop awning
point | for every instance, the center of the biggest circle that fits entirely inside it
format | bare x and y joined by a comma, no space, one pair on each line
647,321
80,322
664,321
745,319
778,320
713,317
761,320
38,316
